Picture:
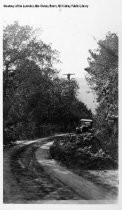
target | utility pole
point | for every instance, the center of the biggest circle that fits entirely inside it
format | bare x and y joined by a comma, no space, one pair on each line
68,78
68,75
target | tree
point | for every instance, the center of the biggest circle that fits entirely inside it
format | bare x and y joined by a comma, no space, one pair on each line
103,78
28,65
19,45
36,100
103,70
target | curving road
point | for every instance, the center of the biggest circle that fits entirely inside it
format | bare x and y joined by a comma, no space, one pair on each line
31,177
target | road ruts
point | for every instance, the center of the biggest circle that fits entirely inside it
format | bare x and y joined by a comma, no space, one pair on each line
26,182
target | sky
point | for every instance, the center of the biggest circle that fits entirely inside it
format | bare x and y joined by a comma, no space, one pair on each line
69,30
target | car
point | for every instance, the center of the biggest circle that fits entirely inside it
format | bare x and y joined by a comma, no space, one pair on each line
85,125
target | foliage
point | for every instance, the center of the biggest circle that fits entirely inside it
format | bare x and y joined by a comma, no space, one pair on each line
103,78
36,101
28,66
82,151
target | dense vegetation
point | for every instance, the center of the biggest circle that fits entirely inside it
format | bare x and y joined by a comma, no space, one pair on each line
83,151
100,149
36,102
103,79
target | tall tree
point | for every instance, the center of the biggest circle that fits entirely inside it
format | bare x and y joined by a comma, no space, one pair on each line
27,68
19,45
103,78
35,98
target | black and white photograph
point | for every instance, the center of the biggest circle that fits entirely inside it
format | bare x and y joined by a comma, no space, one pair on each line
60,62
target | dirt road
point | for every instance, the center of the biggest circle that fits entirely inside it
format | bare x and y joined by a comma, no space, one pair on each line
31,177
84,188
25,181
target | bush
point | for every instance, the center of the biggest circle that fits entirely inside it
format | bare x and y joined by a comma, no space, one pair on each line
82,151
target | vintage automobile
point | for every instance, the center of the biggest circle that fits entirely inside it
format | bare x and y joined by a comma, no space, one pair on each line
84,126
